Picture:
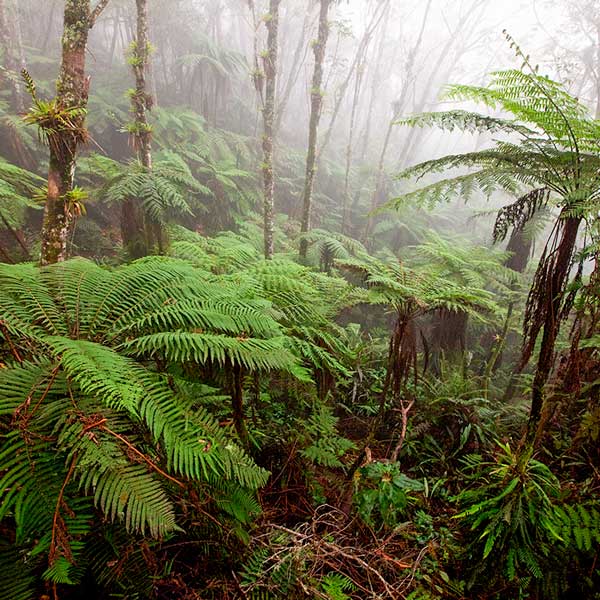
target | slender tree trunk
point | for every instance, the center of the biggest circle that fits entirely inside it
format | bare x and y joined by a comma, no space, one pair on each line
297,62
10,42
358,57
397,108
115,35
346,196
316,95
270,70
136,237
49,28
72,96
375,82
237,405
471,16
377,192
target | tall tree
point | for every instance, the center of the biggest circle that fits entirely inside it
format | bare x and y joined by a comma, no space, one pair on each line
359,76
316,104
268,111
135,238
64,125
359,56
298,59
10,42
397,108
555,150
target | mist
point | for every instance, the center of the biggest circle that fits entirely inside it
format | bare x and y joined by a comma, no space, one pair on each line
299,299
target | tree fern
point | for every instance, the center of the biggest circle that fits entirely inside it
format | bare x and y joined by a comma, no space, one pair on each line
108,431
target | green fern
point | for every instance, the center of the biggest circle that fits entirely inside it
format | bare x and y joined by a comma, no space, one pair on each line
89,426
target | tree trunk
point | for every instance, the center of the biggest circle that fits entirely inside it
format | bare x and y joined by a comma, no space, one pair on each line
72,95
471,15
361,52
346,219
449,337
237,405
270,70
376,81
297,62
553,282
10,42
137,236
316,95
397,108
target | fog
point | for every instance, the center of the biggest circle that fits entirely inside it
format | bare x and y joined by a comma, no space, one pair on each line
385,59
299,299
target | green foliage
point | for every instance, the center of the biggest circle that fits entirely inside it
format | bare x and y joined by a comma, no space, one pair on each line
417,291
17,188
326,446
166,192
383,494
335,586
96,428
551,143
512,515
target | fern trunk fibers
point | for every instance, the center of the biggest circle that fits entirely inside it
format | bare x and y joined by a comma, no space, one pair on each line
270,69
449,337
402,359
137,235
549,287
519,245
64,140
316,104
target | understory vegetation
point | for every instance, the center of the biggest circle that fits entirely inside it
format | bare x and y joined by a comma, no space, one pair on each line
206,395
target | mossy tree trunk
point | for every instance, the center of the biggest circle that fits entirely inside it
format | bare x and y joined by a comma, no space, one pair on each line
71,99
270,70
137,234
316,104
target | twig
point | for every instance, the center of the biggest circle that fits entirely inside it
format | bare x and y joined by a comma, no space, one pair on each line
404,410
98,11
141,455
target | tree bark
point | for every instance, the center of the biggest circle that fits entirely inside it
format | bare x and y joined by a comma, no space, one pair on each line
316,104
71,99
554,292
138,235
270,70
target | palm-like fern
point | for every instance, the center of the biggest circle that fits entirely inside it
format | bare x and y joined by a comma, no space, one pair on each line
550,144
166,192
17,188
90,422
